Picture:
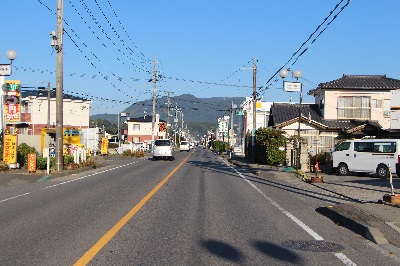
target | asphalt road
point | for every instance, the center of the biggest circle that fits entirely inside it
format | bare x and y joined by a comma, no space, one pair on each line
196,210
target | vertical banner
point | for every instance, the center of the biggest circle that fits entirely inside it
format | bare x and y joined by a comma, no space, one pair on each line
104,146
12,101
31,162
10,149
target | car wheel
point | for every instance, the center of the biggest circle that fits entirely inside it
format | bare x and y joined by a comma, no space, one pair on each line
154,159
382,171
343,170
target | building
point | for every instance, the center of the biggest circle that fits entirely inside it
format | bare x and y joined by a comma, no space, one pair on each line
262,114
352,106
35,112
140,129
38,111
359,97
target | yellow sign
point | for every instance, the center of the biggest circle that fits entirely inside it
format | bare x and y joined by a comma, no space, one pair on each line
104,146
10,149
71,136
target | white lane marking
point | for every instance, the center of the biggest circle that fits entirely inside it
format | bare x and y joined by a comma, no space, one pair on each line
64,182
345,259
288,214
311,232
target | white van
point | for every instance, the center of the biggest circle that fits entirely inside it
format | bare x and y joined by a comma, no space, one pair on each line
372,156
184,146
163,148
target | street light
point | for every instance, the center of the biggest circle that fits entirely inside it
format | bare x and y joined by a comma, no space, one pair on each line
294,86
5,70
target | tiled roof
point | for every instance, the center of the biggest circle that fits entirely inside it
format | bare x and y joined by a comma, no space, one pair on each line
143,119
283,114
43,93
361,82
349,124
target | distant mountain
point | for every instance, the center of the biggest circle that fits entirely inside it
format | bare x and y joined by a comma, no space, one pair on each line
195,110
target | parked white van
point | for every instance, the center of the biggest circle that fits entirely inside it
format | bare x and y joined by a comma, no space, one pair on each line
372,156
163,148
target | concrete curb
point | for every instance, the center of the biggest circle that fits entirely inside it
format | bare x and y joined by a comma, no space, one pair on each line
349,216
354,224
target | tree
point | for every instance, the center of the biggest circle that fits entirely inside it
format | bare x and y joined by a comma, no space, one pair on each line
267,144
110,127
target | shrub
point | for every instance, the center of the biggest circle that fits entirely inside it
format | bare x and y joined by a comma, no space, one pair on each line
322,158
127,153
22,153
220,145
68,159
138,153
41,163
3,166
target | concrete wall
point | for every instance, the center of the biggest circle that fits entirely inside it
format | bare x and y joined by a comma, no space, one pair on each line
31,140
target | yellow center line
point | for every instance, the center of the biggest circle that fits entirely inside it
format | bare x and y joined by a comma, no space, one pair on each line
89,255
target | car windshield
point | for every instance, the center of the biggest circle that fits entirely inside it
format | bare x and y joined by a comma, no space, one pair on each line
183,143
162,142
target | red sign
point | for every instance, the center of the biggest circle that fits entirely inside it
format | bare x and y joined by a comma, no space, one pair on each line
12,99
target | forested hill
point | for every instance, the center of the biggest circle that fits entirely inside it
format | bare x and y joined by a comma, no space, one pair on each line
195,110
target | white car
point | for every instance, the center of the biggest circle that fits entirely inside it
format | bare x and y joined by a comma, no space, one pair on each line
163,149
184,146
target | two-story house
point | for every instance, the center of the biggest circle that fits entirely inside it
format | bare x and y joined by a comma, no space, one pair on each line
140,129
354,105
37,111
361,97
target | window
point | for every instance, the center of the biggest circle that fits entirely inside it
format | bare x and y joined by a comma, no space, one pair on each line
344,146
376,103
386,108
354,107
385,147
363,146
321,104
136,126
25,107
162,142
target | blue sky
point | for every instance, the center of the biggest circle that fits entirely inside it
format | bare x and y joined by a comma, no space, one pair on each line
202,47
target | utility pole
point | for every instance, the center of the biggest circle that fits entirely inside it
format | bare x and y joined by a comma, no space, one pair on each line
153,119
59,88
182,124
168,108
254,98
231,132
253,133
176,123
48,104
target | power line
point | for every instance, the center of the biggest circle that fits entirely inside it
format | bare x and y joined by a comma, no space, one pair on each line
267,84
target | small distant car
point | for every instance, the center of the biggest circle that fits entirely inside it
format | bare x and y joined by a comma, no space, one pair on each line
184,146
163,149
237,149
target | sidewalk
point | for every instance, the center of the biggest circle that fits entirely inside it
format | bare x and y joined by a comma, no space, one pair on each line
21,176
359,207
